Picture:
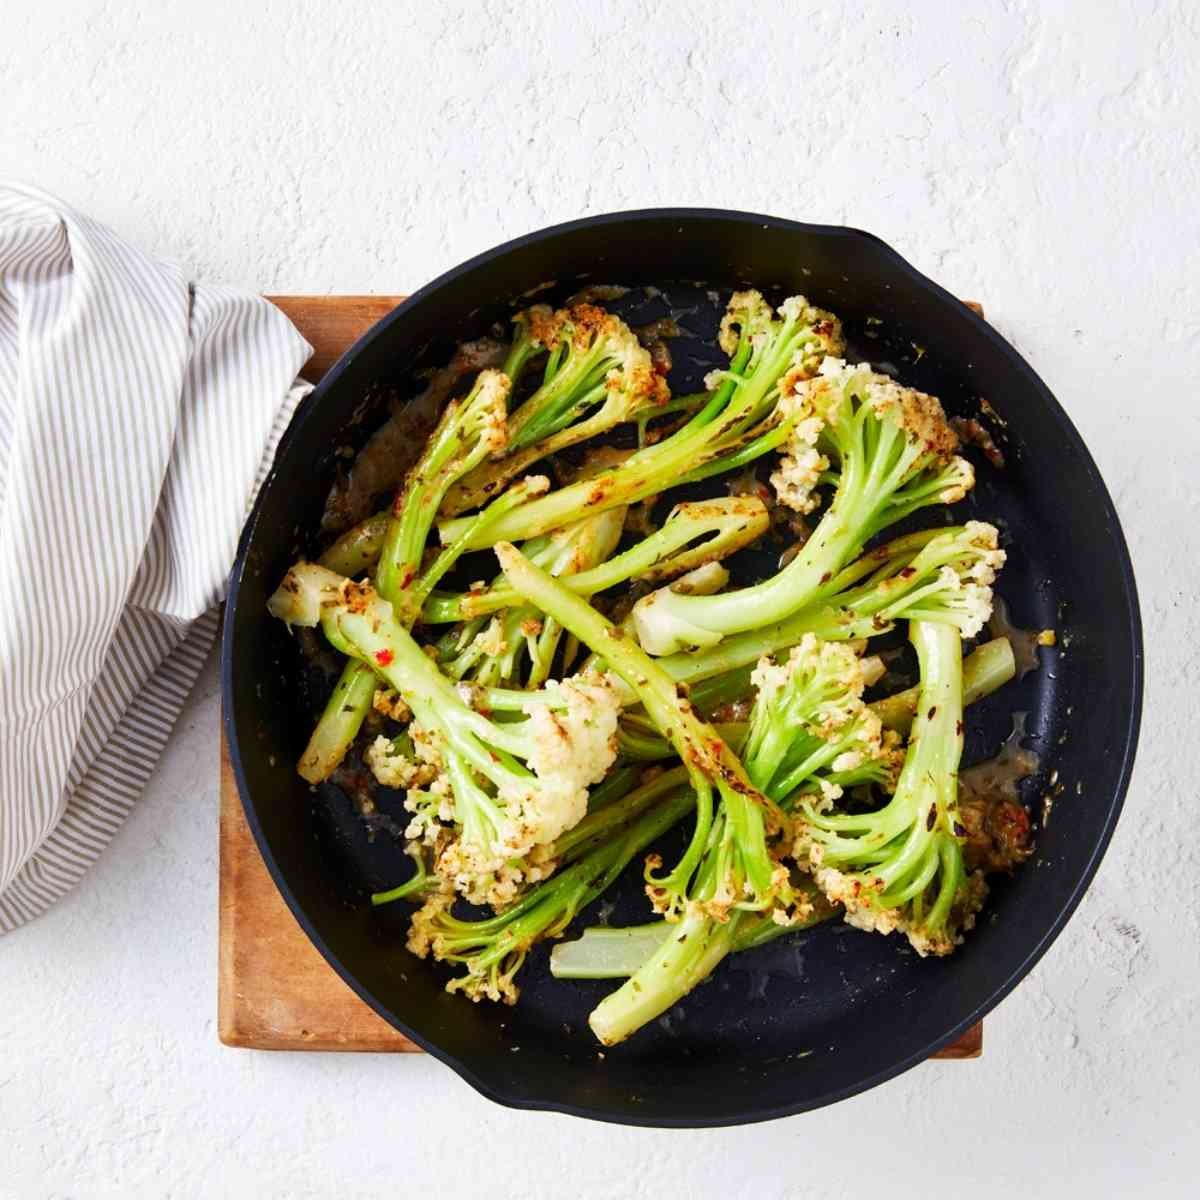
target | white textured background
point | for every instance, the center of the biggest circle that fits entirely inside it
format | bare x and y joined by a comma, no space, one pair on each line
1041,157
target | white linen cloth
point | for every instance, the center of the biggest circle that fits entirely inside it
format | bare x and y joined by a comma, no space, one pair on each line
138,415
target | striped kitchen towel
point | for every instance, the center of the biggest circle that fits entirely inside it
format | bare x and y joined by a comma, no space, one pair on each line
138,415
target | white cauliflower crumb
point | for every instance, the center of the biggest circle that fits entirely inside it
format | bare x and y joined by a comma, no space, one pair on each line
799,470
393,768
388,702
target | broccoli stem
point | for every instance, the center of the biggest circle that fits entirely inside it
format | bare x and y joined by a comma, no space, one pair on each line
646,473
985,670
900,577
524,347
596,377
469,430
357,550
413,888
351,700
605,952
646,745
340,722
691,951
886,470
810,708
726,524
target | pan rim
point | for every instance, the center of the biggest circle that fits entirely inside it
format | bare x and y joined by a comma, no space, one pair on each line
1118,792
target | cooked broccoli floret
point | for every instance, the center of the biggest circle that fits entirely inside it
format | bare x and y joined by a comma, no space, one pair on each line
493,949
808,725
894,453
597,376
514,786
354,692
738,423
901,866
470,431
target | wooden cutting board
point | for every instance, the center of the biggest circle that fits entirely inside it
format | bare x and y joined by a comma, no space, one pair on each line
274,990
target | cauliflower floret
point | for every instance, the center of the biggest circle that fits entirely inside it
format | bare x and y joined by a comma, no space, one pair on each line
422,926
855,898
433,812
747,313
633,381
828,674
962,482
918,414
983,537
972,600
484,876
574,742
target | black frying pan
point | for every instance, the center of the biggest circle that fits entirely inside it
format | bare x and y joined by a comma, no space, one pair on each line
804,1021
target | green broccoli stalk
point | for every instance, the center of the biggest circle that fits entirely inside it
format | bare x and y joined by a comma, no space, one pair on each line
710,763
597,376
816,697
736,425
354,692
694,533
985,670
510,789
340,721
938,574
901,867
809,724
895,453
357,551
493,949
470,431
612,952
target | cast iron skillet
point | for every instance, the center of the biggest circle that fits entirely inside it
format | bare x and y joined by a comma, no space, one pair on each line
802,1022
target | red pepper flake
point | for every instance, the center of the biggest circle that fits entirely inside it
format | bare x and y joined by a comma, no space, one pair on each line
384,657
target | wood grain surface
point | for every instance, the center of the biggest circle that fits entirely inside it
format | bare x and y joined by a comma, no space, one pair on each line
275,991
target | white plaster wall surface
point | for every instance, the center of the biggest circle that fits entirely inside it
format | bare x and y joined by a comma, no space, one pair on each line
1041,157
